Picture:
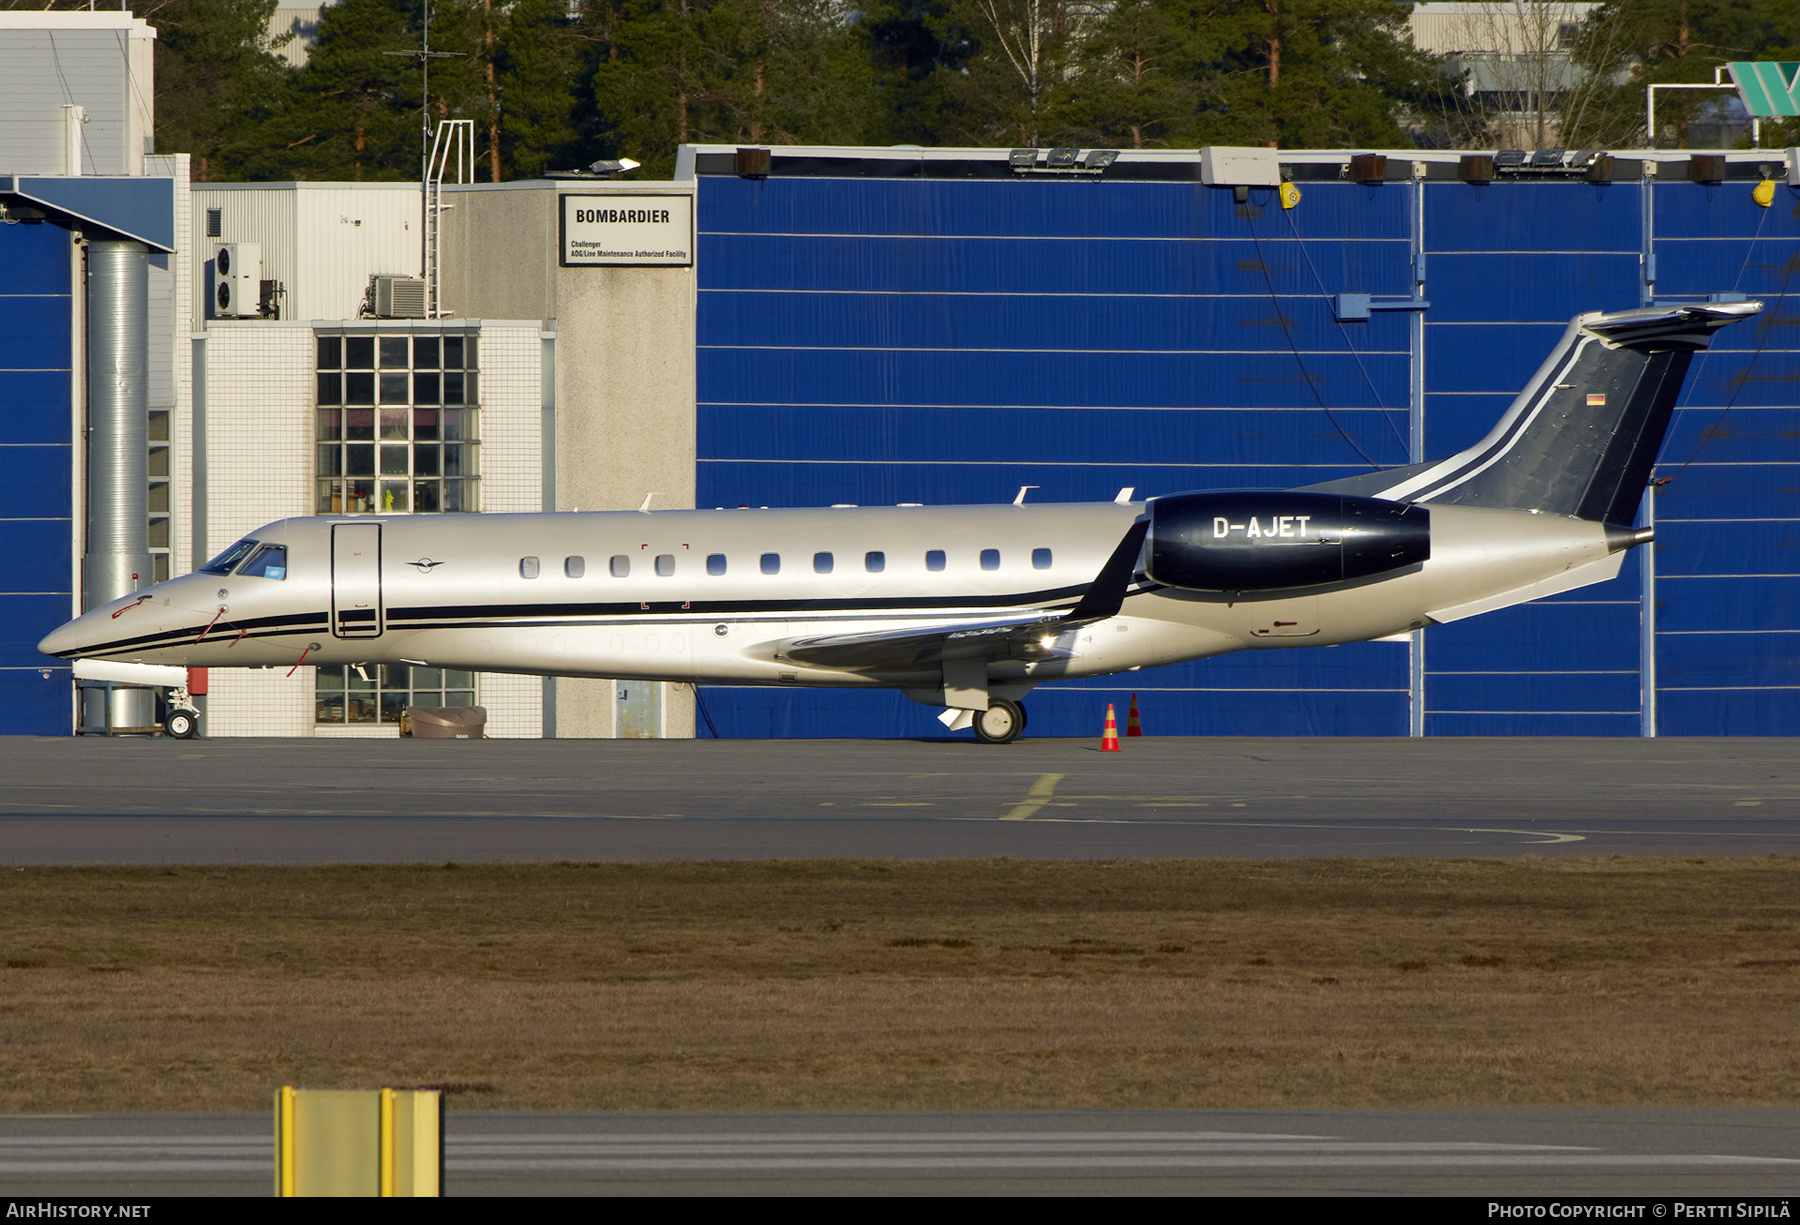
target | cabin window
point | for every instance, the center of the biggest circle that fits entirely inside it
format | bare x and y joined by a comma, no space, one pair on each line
990,559
528,567
771,563
934,559
621,565
380,693
270,562
715,563
665,565
821,563
396,424
874,563
574,567
1040,559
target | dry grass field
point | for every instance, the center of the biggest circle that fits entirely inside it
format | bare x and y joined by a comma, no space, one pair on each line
895,985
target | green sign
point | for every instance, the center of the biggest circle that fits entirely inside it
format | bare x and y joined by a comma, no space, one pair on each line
1768,89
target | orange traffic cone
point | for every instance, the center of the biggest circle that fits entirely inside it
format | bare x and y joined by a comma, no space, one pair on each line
1132,726
1109,742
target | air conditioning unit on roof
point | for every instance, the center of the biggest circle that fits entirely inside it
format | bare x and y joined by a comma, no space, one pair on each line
397,297
237,280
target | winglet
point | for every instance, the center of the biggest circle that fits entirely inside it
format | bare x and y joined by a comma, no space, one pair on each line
1107,594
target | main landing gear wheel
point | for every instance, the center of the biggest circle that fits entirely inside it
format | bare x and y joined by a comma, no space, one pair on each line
1000,723
181,724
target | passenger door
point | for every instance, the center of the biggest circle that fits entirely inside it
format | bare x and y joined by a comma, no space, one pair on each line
356,580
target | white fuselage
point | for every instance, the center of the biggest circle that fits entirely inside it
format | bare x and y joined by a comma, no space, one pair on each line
542,594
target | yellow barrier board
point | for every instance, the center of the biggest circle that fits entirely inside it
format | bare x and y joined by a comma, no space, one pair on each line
358,1142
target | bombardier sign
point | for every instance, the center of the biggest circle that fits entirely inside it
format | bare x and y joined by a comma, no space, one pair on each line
622,230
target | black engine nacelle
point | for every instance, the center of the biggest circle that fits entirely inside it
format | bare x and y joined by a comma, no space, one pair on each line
1267,541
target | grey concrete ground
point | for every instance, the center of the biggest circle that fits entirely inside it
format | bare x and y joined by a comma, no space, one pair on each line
244,801
310,801
1527,1152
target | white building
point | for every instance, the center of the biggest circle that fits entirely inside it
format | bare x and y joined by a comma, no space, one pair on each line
329,398
1515,59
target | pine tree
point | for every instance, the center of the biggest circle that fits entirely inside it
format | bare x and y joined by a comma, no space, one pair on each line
540,59
730,71
1318,74
353,111
669,76
814,85
1139,77
214,79
915,49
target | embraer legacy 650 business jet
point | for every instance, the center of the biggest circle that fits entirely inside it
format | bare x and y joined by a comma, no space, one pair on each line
963,607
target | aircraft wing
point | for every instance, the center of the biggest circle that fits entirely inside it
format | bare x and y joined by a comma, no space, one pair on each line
1032,635
1035,635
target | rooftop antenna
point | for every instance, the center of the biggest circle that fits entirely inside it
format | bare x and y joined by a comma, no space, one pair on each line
425,55
428,207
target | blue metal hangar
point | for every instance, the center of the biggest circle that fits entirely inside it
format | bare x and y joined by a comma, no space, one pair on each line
89,354
880,326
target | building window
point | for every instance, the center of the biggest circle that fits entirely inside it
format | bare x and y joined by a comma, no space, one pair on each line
398,417
397,424
380,693
158,469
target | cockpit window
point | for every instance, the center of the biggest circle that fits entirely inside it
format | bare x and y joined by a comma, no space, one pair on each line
270,562
223,563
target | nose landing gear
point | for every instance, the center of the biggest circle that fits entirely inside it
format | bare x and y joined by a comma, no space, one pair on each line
181,722
1000,723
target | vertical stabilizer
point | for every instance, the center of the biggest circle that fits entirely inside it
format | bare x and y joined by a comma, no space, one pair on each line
1582,437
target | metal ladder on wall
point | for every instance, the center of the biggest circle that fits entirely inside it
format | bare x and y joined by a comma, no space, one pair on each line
454,141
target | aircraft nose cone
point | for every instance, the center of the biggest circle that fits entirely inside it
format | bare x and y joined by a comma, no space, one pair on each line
65,641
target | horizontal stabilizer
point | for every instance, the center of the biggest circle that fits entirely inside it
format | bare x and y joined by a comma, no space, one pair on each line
1581,576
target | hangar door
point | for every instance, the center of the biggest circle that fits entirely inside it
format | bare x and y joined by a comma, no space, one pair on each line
356,580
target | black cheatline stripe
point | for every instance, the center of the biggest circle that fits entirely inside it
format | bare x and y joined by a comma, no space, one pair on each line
719,608
260,627
529,616
512,616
